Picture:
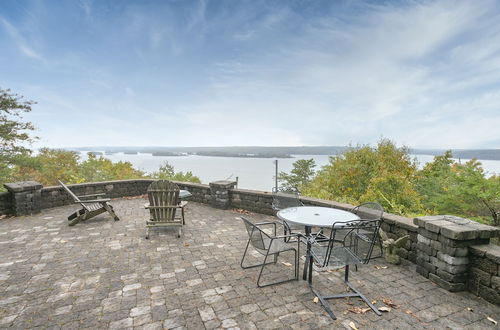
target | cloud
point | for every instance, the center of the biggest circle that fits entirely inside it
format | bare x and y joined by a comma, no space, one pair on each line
20,41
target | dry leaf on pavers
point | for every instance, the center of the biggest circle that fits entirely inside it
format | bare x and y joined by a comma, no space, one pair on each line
358,310
491,320
186,244
241,211
470,309
374,302
286,264
384,309
380,267
389,303
353,326
315,300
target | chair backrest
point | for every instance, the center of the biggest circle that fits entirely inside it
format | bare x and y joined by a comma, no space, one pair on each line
257,237
358,237
163,196
370,210
283,200
75,197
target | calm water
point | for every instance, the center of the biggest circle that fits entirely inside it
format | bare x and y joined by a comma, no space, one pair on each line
252,173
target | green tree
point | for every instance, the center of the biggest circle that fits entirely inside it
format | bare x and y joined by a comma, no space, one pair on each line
301,175
167,172
50,165
14,133
385,174
95,169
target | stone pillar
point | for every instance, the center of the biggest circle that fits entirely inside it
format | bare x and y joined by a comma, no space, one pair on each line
219,191
443,248
26,197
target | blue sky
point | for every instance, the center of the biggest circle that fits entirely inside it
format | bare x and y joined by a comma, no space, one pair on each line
215,73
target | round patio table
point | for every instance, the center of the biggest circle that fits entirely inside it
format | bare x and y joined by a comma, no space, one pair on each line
314,216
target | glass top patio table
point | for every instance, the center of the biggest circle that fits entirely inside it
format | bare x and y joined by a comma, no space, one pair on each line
184,194
315,216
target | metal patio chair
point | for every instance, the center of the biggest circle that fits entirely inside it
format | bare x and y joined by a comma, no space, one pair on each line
269,245
371,211
283,200
353,248
90,207
163,203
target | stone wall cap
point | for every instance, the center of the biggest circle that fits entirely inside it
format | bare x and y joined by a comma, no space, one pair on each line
23,186
456,228
223,183
490,251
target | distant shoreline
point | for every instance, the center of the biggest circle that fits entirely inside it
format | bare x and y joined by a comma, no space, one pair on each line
275,152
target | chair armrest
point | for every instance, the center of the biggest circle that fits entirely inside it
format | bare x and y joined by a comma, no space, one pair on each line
95,201
267,223
91,195
163,207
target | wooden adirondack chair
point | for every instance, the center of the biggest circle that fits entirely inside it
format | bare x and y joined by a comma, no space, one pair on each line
90,208
163,203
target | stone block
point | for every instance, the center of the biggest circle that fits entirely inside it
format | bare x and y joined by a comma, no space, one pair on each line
489,294
484,264
452,260
495,282
422,239
428,234
422,271
480,276
455,251
453,278
453,287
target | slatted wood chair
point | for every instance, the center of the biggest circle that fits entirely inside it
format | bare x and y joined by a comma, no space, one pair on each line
163,203
90,208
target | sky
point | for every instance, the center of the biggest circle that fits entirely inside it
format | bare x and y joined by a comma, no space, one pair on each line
425,74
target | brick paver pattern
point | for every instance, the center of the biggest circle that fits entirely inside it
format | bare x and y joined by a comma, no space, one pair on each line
102,274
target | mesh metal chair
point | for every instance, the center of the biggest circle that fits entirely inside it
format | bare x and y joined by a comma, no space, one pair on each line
371,211
283,200
268,245
342,250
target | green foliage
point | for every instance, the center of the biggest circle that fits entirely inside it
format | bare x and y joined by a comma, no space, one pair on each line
14,133
448,187
96,169
167,172
384,174
301,175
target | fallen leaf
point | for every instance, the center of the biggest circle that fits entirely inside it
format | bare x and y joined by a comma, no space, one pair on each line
374,302
353,326
380,267
492,320
470,309
186,244
315,300
358,310
384,309
286,264
242,211
389,303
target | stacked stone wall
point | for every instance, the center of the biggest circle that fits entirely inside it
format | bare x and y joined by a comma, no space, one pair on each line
484,272
6,203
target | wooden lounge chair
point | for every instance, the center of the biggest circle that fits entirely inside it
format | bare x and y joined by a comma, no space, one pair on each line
90,208
163,203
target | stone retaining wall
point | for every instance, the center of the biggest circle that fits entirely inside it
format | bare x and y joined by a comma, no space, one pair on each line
6,203
484,272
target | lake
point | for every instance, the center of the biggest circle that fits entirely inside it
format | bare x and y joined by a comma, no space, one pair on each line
252,173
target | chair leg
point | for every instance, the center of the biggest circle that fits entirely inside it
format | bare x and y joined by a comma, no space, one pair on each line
295,278
110,210
354,293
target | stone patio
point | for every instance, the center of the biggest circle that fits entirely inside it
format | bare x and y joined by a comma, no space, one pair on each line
103,274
